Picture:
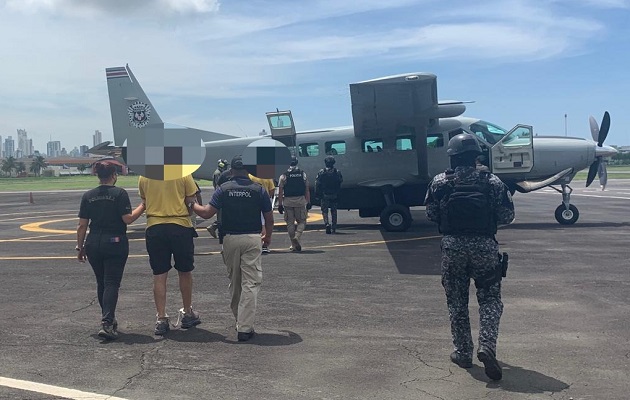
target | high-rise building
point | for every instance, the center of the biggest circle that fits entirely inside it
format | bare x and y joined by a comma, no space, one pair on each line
9,147
83,150
31,150
97,137
53,148
23,144
1,147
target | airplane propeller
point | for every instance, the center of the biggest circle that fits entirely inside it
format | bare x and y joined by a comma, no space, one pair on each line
599,135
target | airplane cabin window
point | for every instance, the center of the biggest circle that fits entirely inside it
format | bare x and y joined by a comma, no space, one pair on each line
405,143
308,149
336,147
435,140
280,121
372,145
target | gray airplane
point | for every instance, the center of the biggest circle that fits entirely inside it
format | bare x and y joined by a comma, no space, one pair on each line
395,147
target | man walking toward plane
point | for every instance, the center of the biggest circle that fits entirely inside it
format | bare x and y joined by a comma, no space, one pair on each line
169,234
327,186
467,204
294,199
241,202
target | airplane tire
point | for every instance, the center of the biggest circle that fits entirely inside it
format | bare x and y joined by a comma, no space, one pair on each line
396,218
567,217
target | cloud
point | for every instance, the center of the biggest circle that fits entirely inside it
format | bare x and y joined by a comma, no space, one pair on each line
115,7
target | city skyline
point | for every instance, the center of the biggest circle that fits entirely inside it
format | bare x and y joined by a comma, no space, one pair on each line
22,146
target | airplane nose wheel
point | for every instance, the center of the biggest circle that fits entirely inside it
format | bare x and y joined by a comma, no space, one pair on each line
567,217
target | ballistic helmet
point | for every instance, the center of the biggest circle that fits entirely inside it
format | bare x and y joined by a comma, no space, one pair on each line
462,143
329,161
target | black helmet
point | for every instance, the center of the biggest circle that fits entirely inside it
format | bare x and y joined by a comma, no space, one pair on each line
294,161
329,161
462,143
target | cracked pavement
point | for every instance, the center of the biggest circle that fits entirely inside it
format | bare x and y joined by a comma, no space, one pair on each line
340,320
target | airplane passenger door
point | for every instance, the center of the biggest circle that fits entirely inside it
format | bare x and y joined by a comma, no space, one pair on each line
515,152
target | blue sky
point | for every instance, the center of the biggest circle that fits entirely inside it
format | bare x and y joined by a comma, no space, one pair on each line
221,64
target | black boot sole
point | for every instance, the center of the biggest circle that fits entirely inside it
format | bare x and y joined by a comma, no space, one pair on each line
491,366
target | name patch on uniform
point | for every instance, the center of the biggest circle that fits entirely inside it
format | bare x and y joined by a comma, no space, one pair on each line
239,193
295,175
115,239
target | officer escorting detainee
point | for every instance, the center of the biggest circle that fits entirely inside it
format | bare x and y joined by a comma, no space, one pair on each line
241,202
468,204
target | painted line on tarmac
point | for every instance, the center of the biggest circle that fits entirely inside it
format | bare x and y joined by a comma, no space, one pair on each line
212,253
57,391
39,216
35,212
551,191
37,226
34,238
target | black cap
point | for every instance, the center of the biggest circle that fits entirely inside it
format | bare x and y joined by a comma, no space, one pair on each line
237,163
294,161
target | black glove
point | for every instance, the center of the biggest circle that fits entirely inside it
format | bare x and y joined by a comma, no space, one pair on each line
280,208
309,206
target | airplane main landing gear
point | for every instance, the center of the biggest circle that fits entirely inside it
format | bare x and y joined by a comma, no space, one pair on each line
566,213
396,218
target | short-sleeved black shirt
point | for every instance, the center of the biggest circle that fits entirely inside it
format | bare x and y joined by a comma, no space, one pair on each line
104,206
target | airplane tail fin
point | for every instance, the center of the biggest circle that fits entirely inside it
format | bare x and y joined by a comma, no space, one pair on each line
130,107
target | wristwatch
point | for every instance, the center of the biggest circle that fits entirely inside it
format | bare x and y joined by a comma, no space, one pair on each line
191,204
77,248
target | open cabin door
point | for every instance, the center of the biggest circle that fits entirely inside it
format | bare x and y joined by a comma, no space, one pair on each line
282,127
515,152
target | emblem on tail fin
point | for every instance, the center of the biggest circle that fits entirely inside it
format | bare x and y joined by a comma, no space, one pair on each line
139,114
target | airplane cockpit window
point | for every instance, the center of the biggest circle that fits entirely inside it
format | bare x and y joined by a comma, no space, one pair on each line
405,143
489,132
372,145
308,149
336,147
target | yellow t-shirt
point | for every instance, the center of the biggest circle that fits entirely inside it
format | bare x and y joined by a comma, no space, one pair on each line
266,183
165,200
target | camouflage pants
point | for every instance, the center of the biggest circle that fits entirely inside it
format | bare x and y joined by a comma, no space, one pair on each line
329,204
463,259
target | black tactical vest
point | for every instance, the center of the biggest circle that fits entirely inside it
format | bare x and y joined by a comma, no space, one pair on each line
330,182
294,186
469,209
240,208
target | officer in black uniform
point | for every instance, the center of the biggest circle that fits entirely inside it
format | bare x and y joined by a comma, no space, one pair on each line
107,211
241,202
294,200
327,186
468,204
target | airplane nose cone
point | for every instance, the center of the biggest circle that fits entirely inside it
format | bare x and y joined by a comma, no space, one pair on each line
605,151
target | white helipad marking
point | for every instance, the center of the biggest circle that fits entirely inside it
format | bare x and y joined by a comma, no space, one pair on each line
54,390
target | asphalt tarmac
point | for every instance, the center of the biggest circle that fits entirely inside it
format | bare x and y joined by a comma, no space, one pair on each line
356,315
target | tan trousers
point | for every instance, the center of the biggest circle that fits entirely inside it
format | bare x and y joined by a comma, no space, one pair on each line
293,215
241,255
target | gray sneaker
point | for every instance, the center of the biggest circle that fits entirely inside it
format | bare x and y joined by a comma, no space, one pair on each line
162,325
296,245
108,332
189,320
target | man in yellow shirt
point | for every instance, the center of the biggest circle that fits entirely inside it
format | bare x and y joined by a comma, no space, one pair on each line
169,234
